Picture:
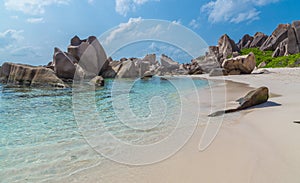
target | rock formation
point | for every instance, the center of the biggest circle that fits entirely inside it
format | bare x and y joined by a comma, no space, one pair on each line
26,75
97,81
211,60
128,69
278,35
86,59
258,40
245,42
254,97
293,45
89,54
167,64
64,66
240,65
227,46
150,58
284,40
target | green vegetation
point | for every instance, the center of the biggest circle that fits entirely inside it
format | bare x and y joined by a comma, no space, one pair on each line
266,56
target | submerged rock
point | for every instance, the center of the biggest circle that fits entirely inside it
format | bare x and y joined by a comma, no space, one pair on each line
254,97
97,81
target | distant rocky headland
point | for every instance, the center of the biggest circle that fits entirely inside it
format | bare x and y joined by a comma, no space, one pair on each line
86,60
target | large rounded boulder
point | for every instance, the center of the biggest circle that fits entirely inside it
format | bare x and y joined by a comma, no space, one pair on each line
244,64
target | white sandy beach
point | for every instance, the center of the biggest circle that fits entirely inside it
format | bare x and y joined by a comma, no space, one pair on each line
258,145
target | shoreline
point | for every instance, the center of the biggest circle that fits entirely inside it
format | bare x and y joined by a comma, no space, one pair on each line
255,145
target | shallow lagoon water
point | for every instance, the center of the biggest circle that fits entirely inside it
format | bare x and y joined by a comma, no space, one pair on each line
40,139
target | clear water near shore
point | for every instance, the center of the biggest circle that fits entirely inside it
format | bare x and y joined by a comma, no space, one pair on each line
40,139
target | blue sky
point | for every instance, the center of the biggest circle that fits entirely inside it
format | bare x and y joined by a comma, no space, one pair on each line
30,29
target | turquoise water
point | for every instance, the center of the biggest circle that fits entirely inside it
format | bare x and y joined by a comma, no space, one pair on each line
40,139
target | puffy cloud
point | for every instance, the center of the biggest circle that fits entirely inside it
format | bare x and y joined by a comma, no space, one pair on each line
235,11
122,29
124,6
35,20
251,15
32,7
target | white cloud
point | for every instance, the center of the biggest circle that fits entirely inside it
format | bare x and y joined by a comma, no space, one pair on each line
178,22
122,28
10,38
124,6
140,30
35,20
235,11
13,47
251,15
194,24
32,7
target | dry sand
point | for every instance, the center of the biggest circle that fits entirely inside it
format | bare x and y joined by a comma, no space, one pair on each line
258,145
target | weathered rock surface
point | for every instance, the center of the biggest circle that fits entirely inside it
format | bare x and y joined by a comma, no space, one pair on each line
128,70
281,49
195,69
144,66
150,58
245,42
63,65
293,44
168,64
258,40
278,35
89,53
253,98
26,75
240,65
227,46
211,60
